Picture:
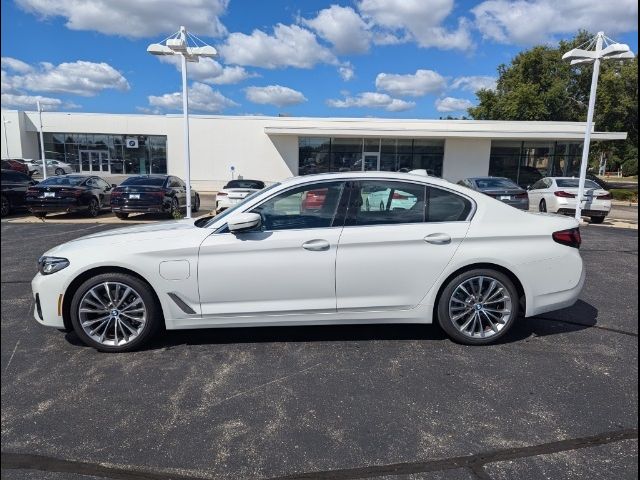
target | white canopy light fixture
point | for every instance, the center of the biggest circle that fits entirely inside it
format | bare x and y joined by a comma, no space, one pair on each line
593,53
179,44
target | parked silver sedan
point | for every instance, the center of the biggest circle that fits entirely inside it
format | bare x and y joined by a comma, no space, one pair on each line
499,188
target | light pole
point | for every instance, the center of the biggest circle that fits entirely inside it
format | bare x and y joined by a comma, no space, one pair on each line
178,44
593,53
6,142
42,154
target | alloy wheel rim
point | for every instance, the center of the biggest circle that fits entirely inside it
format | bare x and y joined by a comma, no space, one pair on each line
480,307
112,313
93,207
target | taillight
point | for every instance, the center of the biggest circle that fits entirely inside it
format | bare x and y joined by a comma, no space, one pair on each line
606,196
76,192
116,193
397,196
562,194
570,238
32,189
522,196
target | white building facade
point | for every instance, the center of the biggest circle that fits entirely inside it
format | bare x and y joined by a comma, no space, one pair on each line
274,148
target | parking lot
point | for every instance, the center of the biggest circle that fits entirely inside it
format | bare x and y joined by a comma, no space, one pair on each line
558,398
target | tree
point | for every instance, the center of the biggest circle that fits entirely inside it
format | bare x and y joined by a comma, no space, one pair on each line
538,85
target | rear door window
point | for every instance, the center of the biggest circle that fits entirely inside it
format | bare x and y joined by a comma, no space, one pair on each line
382,202
446,206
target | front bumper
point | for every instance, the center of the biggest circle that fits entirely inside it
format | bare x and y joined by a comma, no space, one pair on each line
47,293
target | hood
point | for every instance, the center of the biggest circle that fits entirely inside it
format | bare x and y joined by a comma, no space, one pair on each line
136,238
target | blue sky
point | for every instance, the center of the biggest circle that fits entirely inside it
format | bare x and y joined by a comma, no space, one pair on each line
382,58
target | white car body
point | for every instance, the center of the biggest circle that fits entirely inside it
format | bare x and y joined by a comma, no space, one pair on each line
267,278
54,167
548,194
230,197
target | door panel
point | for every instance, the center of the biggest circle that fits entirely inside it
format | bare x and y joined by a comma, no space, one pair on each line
392,266
258,273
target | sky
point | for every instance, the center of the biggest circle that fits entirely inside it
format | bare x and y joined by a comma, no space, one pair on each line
346,58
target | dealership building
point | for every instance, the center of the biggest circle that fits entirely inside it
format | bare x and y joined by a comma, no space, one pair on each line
274,148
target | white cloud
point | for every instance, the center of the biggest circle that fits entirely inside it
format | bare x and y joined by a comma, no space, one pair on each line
22,101
450,104
342,27
372,100
15,65
474,83
207,70
135,18
202,98
289,46
527,22
78,78
347,72
417,20
274,95
414,85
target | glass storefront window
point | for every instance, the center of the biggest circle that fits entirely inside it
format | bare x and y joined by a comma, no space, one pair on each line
107,153
318,154
527,162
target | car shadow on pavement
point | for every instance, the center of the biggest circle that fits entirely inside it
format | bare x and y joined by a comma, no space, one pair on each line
579,317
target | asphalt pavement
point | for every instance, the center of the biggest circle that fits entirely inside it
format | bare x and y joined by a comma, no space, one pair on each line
558,398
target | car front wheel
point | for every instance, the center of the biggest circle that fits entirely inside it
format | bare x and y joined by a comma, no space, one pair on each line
597,220
115,312
543,206
478,307
6,206
94,207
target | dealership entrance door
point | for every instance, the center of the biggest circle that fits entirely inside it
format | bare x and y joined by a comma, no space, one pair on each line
94,161
371,161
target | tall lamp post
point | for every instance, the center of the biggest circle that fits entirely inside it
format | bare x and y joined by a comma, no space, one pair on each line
178,44
593,52
42,153
6,141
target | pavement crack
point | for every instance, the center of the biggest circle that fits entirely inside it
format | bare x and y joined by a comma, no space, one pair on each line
475,463
599,327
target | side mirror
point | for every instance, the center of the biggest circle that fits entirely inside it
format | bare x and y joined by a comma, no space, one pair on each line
244,222
528,187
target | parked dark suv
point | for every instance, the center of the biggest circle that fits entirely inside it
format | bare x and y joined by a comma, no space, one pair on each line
14,188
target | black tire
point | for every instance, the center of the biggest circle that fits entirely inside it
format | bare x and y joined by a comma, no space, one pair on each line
175,207
5,206
154,312
196,204
94,207
543,205
59,171
597,220
122,216
446,322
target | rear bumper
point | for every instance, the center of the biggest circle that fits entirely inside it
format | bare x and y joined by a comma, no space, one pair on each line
585,213
139,207
519,204
57,205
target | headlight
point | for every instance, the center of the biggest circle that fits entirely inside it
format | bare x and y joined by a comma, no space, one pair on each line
49,265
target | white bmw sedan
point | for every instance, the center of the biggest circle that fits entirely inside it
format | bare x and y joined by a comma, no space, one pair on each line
450,255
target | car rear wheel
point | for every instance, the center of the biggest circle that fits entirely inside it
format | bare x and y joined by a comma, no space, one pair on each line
115,312
5,206
94,207
543,205
59,171
597,220
175,207
122,216
478,307
196,204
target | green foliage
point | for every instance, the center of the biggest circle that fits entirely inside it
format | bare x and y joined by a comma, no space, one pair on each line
624,194
538,85
630,167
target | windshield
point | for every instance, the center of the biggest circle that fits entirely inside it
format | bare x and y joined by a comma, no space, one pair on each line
245,184
66,180
148,181
489,183
236,207
575,183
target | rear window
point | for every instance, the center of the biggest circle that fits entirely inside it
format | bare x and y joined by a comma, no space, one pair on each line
63,180
253,184
490,183
575,183
146,181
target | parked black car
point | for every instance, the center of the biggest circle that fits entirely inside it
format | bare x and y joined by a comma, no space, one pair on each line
14,188
69,193
499,188
152,194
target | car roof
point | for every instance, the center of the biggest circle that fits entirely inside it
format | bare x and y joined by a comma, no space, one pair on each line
401,176
489,177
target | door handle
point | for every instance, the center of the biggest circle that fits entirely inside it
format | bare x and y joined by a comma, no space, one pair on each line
317,245
438,239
